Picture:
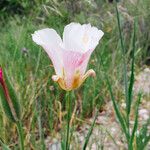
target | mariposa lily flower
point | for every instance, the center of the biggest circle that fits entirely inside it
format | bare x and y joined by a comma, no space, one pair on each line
71,54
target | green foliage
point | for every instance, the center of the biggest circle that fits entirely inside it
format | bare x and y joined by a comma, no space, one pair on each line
11,106
125,121
135,127
89,132
143,136
4,146
21,134
12,112
13,96
5,105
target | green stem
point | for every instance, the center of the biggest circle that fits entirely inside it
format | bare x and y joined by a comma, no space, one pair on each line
20,133
68,120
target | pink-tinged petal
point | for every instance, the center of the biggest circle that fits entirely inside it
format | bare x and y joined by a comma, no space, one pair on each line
51,42
74,62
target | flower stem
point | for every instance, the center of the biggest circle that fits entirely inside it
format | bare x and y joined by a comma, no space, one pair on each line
20,133
68,120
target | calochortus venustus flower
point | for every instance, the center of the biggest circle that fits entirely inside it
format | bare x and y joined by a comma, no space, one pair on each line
71,54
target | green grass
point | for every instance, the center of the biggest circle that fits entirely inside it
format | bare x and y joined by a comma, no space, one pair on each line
30,73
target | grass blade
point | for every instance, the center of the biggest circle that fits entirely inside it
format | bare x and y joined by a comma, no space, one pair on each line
117,111
144,137
132,72
90,132
135,123
21,134
4,146
124,57
41,134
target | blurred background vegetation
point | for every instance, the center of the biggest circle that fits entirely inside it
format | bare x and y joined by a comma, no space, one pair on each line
30,69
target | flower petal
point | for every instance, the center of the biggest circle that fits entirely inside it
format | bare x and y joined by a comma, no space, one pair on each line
74,62
51,42
81,38
71,36
95,35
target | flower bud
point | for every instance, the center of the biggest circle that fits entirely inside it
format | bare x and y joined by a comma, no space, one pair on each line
8,98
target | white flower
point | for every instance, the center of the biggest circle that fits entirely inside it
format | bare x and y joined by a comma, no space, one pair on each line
69,56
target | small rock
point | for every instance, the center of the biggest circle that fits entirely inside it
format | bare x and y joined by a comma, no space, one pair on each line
55,146
144,114
142,83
